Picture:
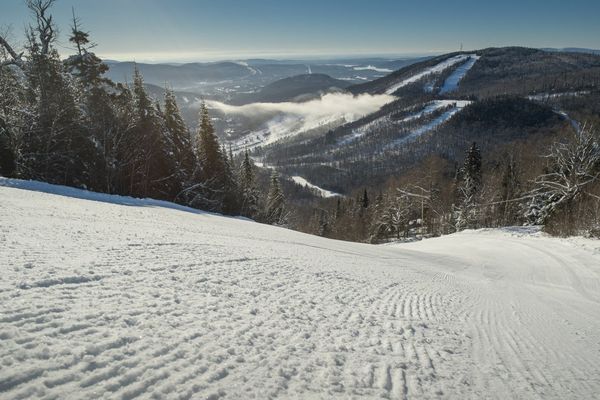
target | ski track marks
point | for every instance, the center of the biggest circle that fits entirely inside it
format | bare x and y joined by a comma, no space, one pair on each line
110,301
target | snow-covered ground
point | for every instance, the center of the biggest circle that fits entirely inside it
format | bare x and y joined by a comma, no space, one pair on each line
321,192
451,83
436,105
428,71
120,298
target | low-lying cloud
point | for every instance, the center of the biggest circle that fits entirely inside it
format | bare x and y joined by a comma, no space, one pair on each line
284,119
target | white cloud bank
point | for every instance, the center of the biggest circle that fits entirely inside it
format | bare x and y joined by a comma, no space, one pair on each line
289,118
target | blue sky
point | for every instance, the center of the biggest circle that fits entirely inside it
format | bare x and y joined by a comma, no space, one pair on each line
188,30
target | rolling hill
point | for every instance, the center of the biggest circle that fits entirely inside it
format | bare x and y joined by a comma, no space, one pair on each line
295,88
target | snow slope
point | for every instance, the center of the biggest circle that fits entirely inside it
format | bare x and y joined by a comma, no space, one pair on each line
455,107
451,83
429,108
321,192
428,71
123,299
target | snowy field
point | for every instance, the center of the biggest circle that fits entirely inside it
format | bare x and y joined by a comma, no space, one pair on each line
139,300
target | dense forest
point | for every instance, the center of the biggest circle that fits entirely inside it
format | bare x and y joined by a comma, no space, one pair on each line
63,122
503,160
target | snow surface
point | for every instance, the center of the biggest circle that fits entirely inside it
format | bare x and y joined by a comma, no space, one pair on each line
455,107
121,298
435,105
320,191
451,83
428,71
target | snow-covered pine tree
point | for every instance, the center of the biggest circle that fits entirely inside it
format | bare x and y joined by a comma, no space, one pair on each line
323,221
364,201
150,169
275,205
231,198
7,155
392,218
179,140
97,99
12,104
247,186
218,189
54,145
466,213
508,209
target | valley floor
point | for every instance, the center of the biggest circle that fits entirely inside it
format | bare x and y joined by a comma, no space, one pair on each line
136,299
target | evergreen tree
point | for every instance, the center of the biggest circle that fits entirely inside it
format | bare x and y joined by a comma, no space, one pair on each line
150,167
220,190
338,209
179,141
54,146
468,190
509,190
96,96
248,190
7,155
231,195
12,102
324,227
275,206
364,201
85,65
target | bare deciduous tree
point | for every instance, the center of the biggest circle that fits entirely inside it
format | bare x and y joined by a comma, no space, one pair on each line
574,166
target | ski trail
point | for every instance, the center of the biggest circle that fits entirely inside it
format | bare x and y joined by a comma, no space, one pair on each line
131,299
519,316
429,108
428,71
414,134
451,83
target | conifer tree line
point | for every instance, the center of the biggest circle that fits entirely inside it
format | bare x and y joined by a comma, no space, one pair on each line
564,197
63,122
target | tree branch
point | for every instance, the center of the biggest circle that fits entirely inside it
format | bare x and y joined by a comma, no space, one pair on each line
17,58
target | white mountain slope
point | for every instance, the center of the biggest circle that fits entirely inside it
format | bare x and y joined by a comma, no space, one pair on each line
433,70
135,300
428,108
451,83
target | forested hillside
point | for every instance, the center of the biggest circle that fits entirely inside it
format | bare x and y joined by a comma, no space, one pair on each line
518,105
64,122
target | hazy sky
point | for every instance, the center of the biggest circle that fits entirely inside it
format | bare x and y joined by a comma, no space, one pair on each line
188,30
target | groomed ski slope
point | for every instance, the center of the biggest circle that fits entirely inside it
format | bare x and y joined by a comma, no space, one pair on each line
432,70
121,298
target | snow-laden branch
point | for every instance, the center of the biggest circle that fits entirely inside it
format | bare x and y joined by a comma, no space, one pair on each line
573,166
